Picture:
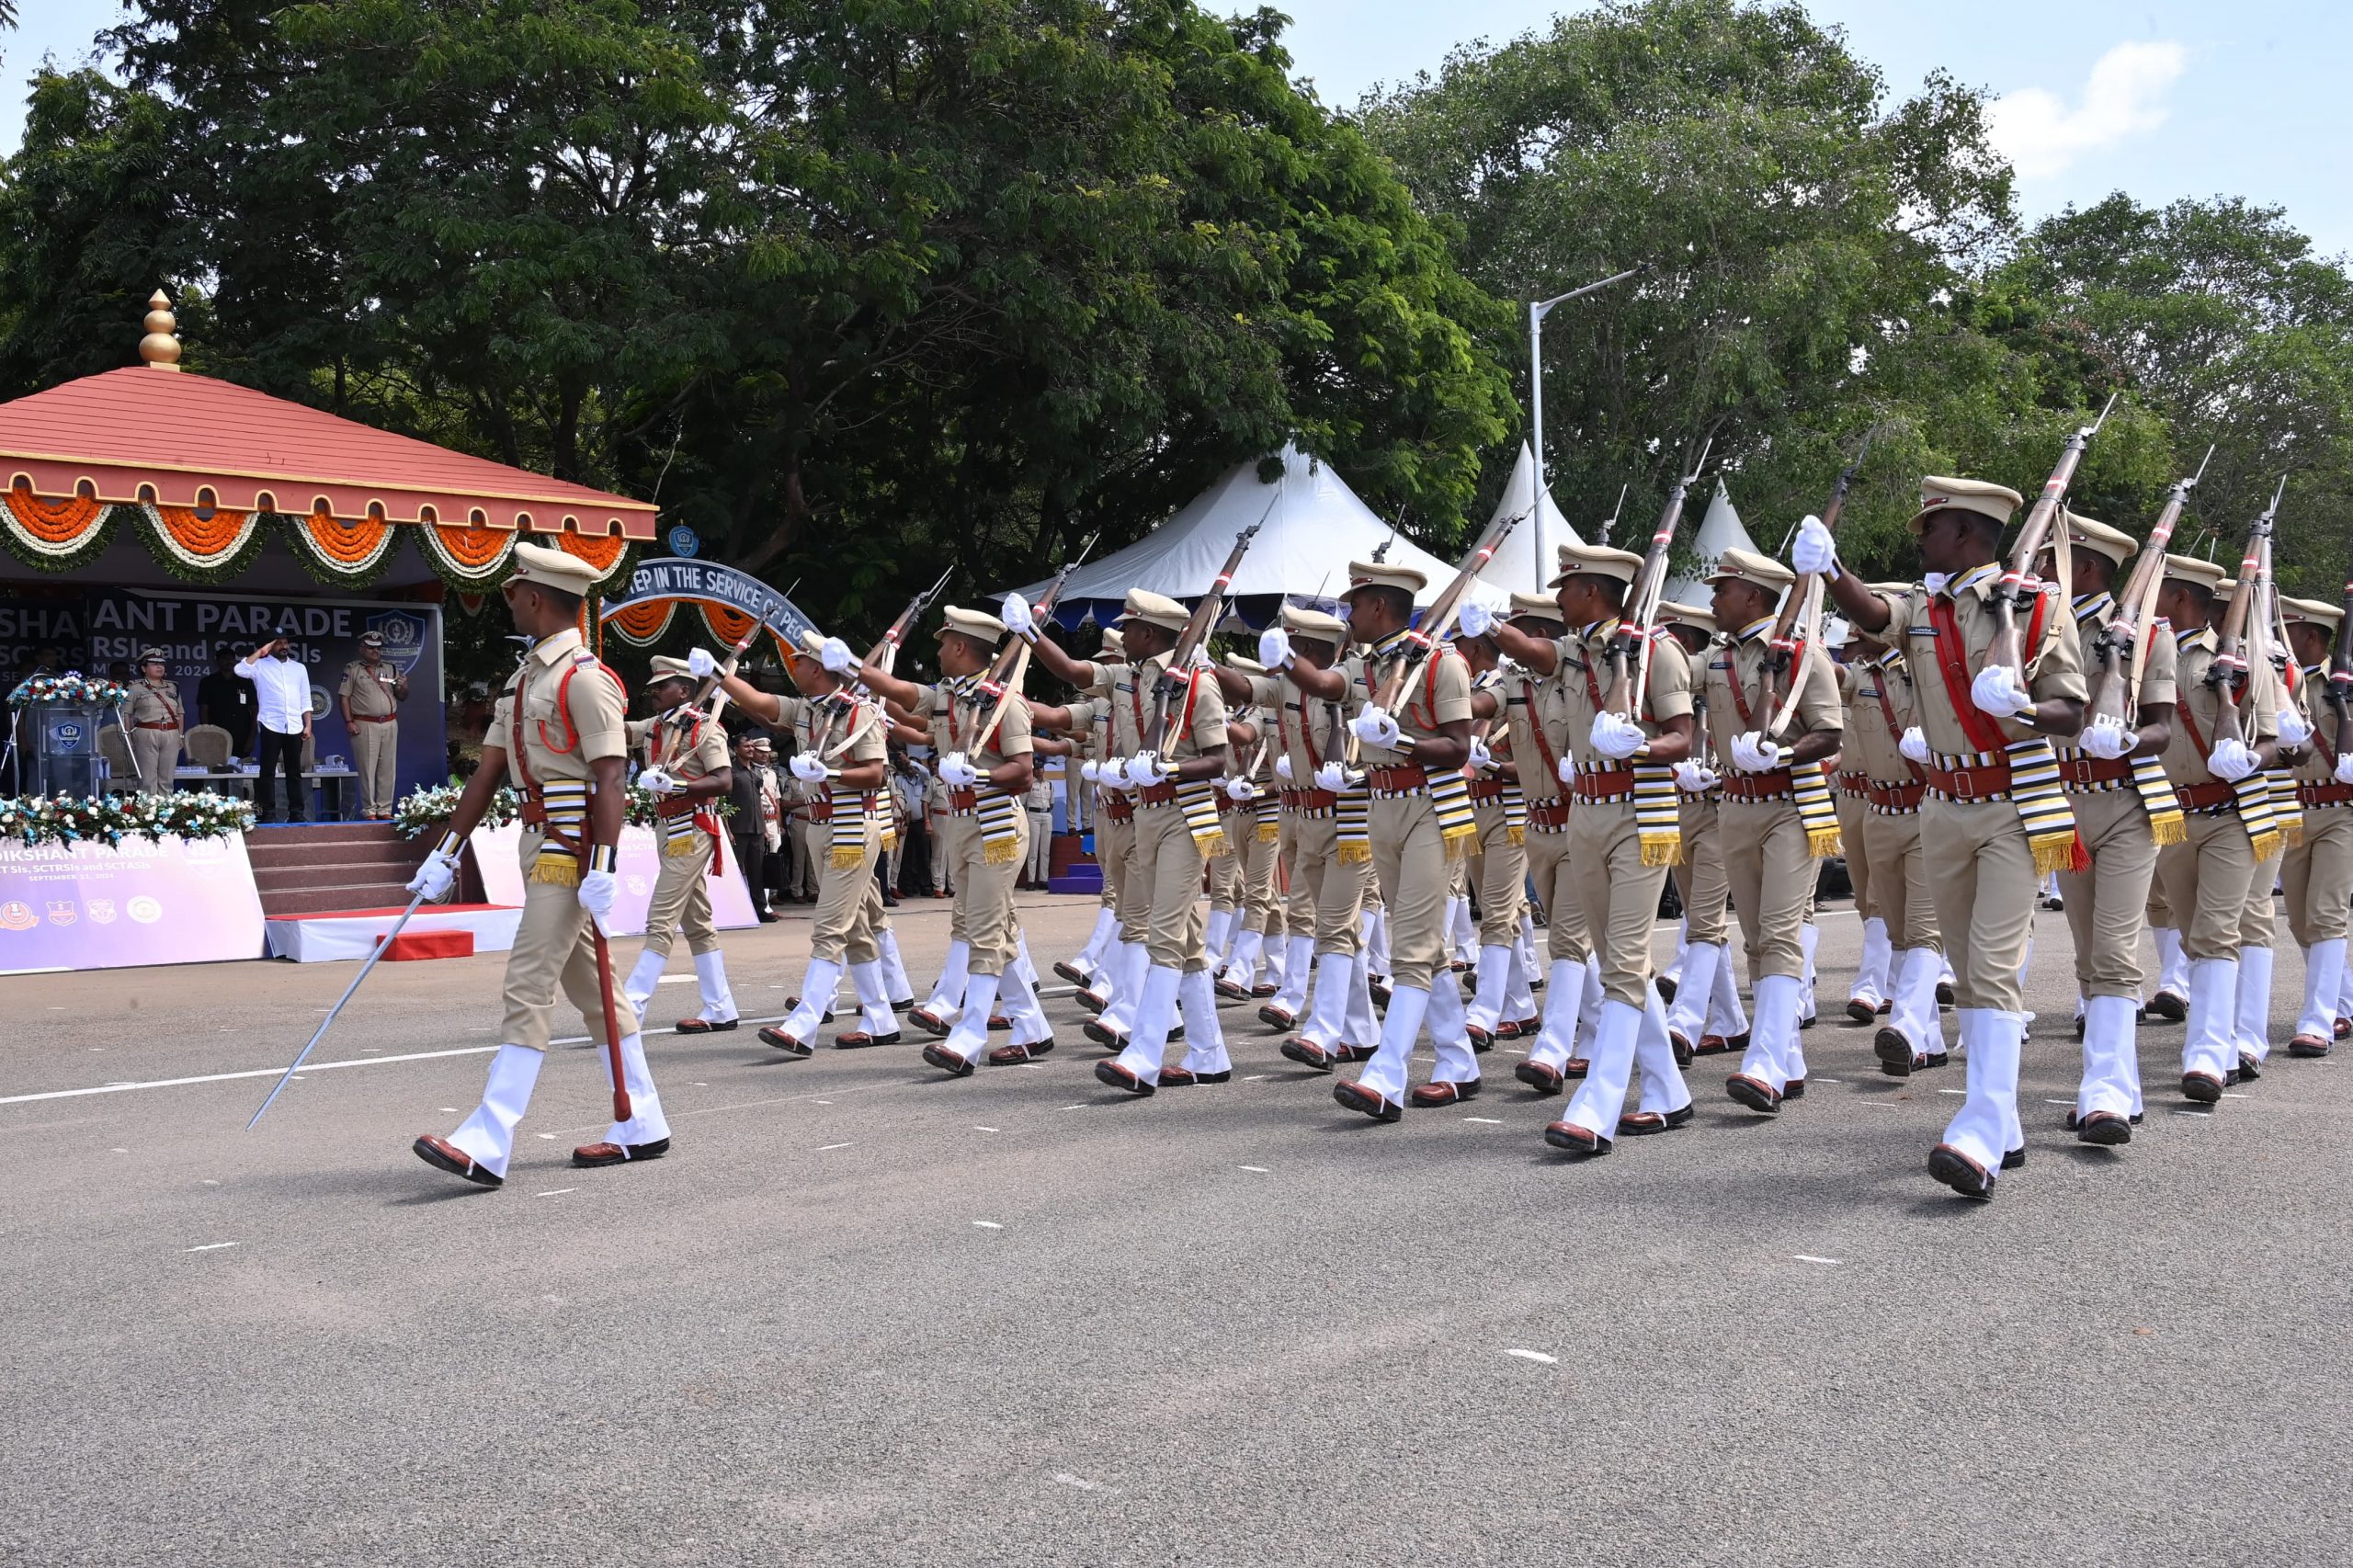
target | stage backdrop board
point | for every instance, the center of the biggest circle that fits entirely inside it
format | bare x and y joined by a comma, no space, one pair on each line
96,625
496,854
86,906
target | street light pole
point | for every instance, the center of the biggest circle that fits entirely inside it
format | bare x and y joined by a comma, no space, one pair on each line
1537,311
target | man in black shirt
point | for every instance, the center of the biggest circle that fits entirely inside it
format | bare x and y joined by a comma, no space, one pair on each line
225,700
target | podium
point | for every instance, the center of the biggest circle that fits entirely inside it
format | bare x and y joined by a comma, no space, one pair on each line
57,746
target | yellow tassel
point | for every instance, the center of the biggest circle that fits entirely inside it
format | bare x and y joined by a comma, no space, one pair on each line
1661,850
2054,854
1269,831
890,839
684,847
1212,843
1355,854
2168,828
844,860
1001,851
2267,845
2291,832
556,870
1822,842
1516,834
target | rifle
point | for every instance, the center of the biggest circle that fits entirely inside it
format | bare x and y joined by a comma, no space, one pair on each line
2230,667
1781,671
883,655
2136,606
1178,677
1630,646
2005,649
1003,679
1438,619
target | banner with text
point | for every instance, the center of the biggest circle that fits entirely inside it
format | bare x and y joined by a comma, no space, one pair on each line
498,855
86,906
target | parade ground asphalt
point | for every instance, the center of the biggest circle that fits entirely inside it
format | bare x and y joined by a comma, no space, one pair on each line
867,1314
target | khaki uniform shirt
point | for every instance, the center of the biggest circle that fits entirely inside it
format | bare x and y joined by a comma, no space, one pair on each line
1439,695
369,688
1583,678
2202,704
595,716
2057,672
954,711
1736,680
1309,732
1537,714
649,738
2159,668
1127,689
809,719
2319,766
155,703
1873,746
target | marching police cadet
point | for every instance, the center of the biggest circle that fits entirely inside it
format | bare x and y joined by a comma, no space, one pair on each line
1880,701
2318,872
372,691
1326,893
1254,928
1418,822
1499,864
1982,864
2211,876
684,751
156,716
1874,986
1115,970
1769,846
842,752
982,754
1111,838
1619,875
1706,994
559,735
2123,810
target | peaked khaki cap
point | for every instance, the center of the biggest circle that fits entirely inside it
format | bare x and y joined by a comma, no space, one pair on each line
2189,569
1987,499
2114,543
1155,609
1535,607
668,668
1597,560
1747,566
2311,612
1670,613
978,625
1381,574
556,569
1306,622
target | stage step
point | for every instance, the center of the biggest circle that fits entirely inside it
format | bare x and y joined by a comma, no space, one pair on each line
332,866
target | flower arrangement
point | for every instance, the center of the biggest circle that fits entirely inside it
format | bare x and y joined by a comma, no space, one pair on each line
71,686
72,819
429,807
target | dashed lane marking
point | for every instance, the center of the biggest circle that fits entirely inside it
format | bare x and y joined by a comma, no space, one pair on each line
1536,1355
209,1246
1255,1170
555,1192
829,1147
986,1226
1487,1120
1809,1257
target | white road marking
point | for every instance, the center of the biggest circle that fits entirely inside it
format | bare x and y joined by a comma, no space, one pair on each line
209,1246
2232,1095
548,1135
1809,1257
2058,1102
555,1192
210,1183
1489,1120
1962,1092
987,1225
1074,1108
1252,1077
1536,1355
1063,1478
978,1128
829,1147
1255,1170
2193,1113
448,1110
678,980
118,1151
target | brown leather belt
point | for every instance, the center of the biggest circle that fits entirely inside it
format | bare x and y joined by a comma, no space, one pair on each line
1487,789
963,800
2205,797
2090,772
1988,783
1404,780
1308,800
1606,784
1893,797
1855,783
374,718
678,806
143,725
1118,808
2325,795
1774,786
1158,794
1549,813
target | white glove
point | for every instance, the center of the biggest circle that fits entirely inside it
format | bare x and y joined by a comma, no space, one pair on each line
1282,769
1481,757
596,890
1814,550
1374,727
810,767
1090,770
2230,761
435,878
1475,619
1695,777
956,771
1200,659
1144,770
1331,778
2107,738
1914,744
835,657
1752,753
2293,731
1113,775
700,664
2345,769
1615,737
1997,691
1240,790
657,781
1567,769
1274,648
1015,613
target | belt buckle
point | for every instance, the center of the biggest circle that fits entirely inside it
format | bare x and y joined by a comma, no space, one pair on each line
1966,783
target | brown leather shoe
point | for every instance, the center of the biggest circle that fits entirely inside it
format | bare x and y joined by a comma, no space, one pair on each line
1119,1077
589,1155
1430,1097
1644,1124
2170,1006
1355,1096
2343,1028
1860,1011
1544,1080
1232,989
1185,1078
2203,1087
930,1022
1681,1045
2073,1125
1015,1055
1000,1024
1108,1039
1072,973
1519,1029
1482,1041
2307,1046
1092,1000
2104,1127
1961,1172
1279,1019
1307,1053
1262,991
1894,1053
1754,1093
1346,1052
859,1039
1712,1045
788,1044
704,1025
1575,1067
947,1061
442,1154
1794,1089
1582,1142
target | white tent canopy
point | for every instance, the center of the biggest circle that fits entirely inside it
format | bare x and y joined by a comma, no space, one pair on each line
1315,526
1527,563
1719,530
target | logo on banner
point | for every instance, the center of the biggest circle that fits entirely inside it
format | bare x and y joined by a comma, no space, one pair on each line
404,636
144,909
60,912
18,916
636,885
101,911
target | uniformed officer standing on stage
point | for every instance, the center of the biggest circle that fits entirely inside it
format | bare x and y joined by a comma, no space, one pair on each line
372,691
2318,874
558,734
1619,877
157,718
2121,805
1769,848
980,753
683,751
1987,831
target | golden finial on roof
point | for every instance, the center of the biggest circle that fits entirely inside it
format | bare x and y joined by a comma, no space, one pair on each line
159,347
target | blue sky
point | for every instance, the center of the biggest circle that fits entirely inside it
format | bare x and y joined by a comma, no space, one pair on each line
2159,99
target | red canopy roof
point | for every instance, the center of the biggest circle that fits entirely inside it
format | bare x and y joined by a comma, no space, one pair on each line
144,433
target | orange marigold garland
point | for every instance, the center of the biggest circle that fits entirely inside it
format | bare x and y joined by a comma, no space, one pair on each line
466,556
642,623
54,535
197,549
729,626
604,553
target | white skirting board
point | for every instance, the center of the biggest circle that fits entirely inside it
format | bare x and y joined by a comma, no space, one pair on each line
352,934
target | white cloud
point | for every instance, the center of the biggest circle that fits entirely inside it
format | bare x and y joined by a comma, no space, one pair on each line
2041,134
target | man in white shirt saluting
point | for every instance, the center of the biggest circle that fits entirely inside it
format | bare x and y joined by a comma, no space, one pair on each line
282,701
